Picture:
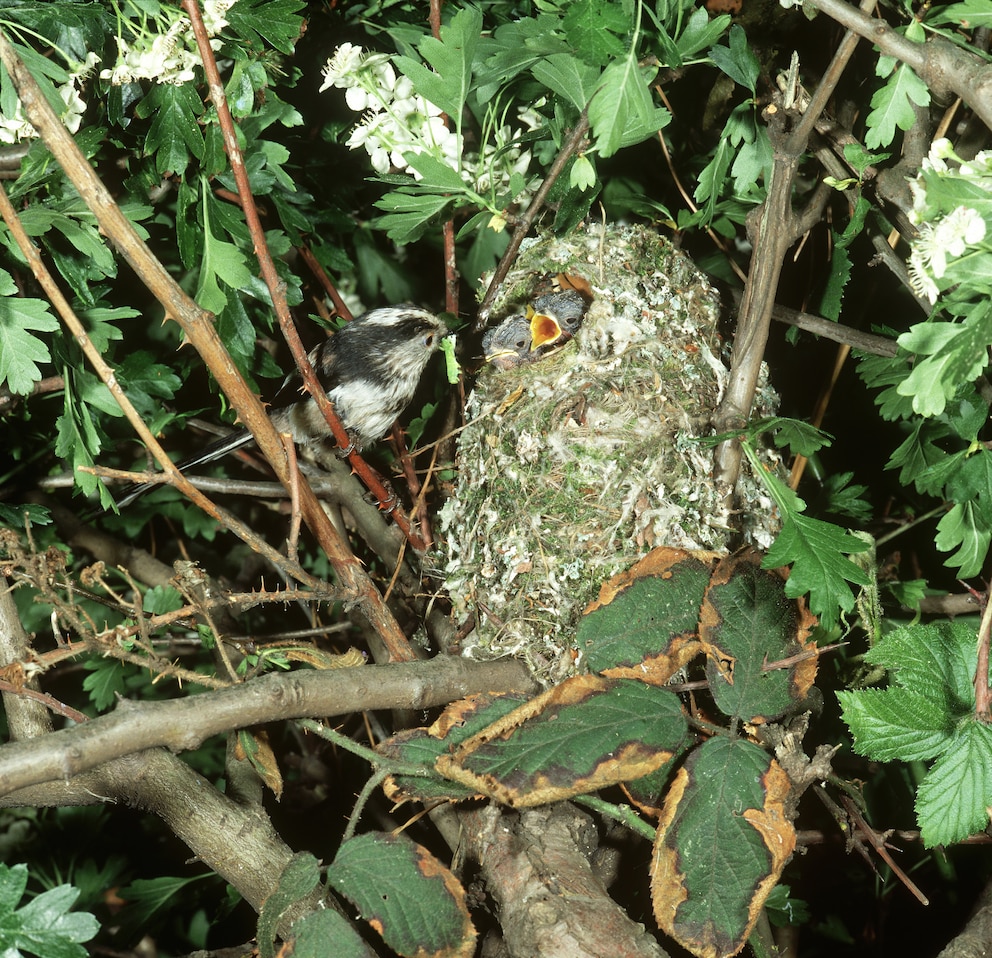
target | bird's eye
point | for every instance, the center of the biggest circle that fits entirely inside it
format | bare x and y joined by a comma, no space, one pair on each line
521,343
429,340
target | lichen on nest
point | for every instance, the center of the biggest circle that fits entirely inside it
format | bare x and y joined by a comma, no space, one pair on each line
572,468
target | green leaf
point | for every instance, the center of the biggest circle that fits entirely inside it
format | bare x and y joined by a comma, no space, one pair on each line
424,746
273,21
405,893
737,60
621,112
44,926
150,898
595,29
891,104
644,623
722,843
567,76
889,725
927,712
747,628
579,736
955,354
298,879
324,933
953,800
817,552
174,133
20,352
452,58
967,527
972,14
106,681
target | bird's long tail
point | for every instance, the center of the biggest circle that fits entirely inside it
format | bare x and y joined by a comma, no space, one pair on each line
216,449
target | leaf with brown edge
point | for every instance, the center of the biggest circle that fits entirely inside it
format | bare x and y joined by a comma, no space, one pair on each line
721,845
253,746
760,663
644,623
582,735
406,894
423,746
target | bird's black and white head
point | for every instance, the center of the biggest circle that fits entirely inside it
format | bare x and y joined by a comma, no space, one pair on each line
371,367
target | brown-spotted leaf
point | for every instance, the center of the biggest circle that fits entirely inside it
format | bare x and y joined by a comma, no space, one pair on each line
405,894
580,736
643,625
423,746
722,843
759,660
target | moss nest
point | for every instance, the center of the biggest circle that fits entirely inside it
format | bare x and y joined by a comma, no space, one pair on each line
572,468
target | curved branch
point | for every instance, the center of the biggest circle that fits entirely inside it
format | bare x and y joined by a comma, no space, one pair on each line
185,723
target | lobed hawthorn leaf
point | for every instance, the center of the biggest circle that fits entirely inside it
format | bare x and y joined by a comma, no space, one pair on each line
891,106
746,624
582,735
414,902
722,843
643,625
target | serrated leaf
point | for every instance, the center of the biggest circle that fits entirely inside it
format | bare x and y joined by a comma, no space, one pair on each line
935,663
273,21
595,28
451,56
405,894
174,133
298,879
817,552
643,625
20,352
580,736
891,106
722,843
954,799
967,527
621,112
747,626
737,60
423,746
324,933
564,74
955,354
895,724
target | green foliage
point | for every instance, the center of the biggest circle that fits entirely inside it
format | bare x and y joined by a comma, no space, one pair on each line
928,712
815,550
45,926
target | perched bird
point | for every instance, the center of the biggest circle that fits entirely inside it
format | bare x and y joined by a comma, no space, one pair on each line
370,370
549,323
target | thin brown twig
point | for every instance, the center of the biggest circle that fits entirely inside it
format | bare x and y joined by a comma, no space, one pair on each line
571,146
345,563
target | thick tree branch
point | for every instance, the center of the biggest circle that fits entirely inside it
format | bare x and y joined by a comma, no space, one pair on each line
186,723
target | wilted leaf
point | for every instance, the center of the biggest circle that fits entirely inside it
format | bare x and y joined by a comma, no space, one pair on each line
580,736
722,844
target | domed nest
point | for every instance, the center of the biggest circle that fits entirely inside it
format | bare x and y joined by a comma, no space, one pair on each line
573,467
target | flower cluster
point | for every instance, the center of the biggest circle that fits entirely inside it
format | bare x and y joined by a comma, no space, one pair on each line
398,122
169,55
949,226
16,127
